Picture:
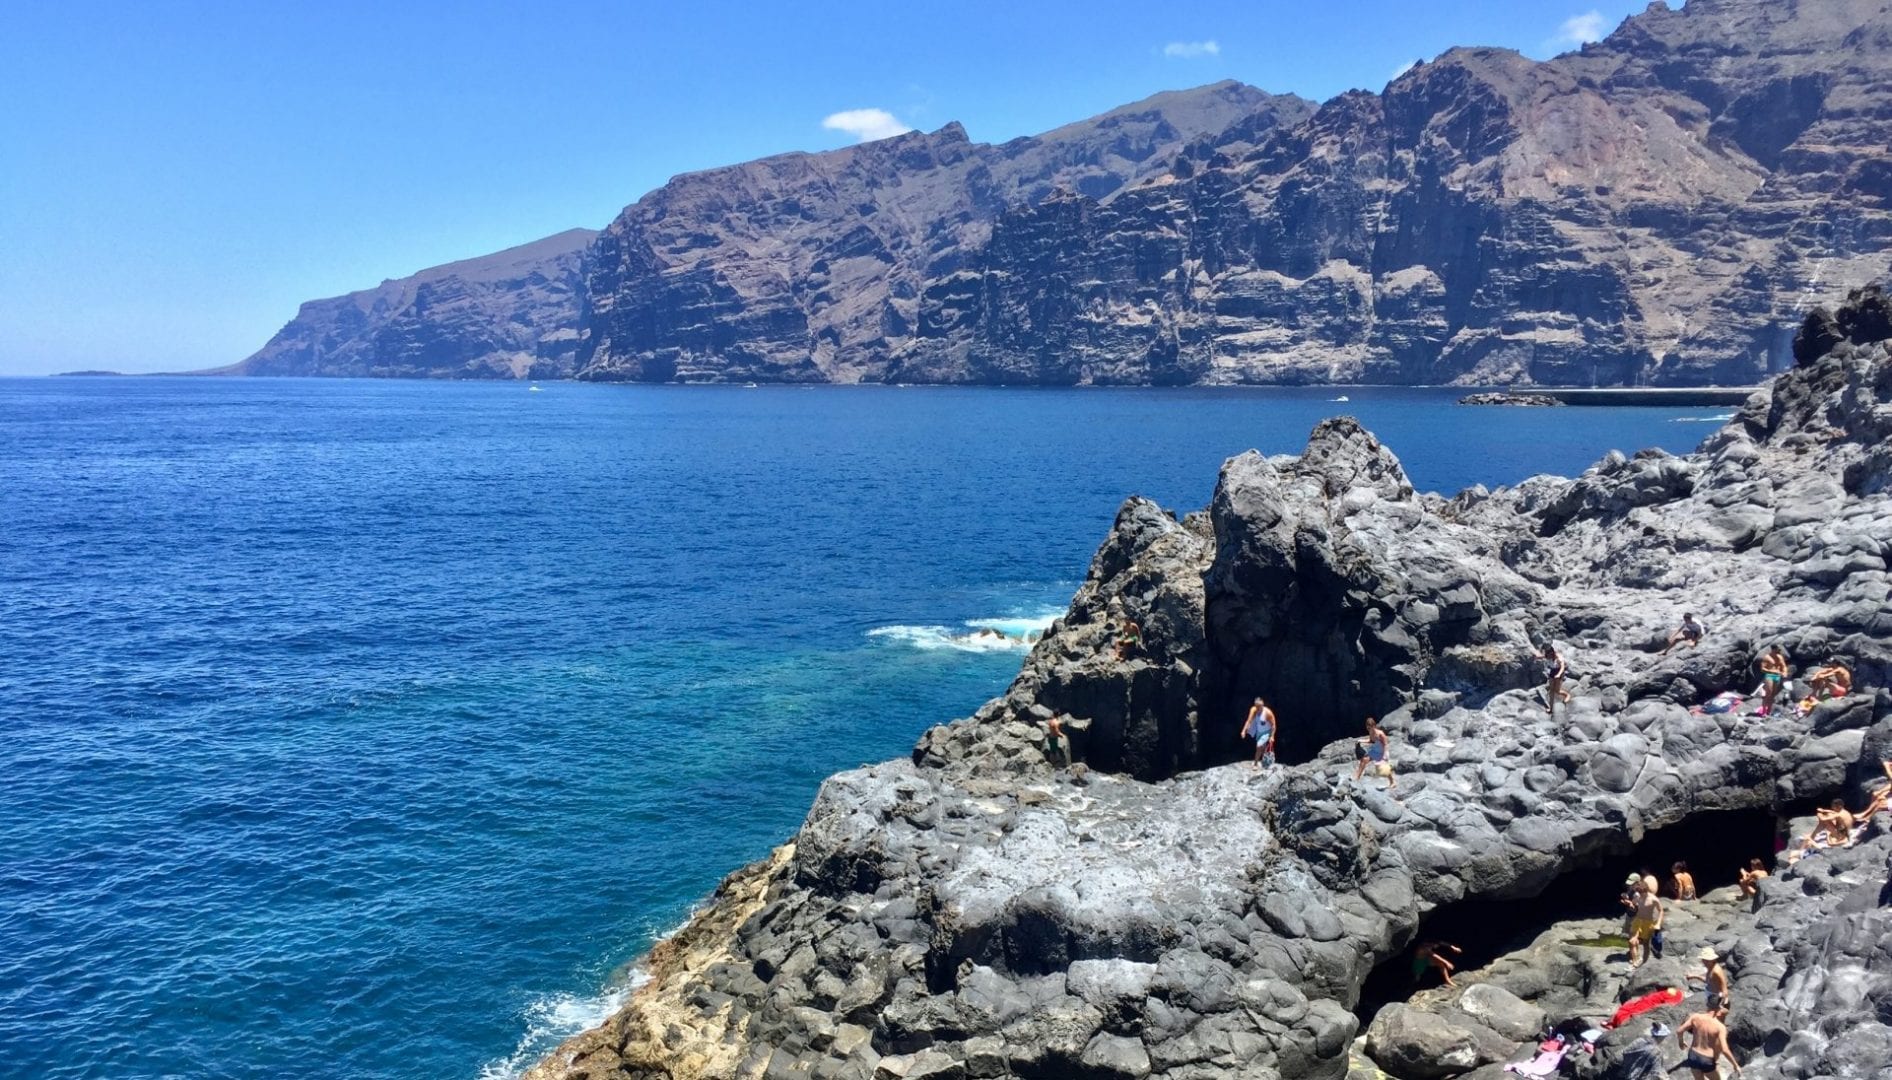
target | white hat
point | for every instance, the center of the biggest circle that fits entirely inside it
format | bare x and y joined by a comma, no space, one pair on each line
1709,954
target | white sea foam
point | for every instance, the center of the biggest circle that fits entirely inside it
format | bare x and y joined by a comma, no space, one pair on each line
1702,419
552,1019
966,638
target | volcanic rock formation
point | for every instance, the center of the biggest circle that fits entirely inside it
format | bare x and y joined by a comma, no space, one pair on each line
1157,909
1660,207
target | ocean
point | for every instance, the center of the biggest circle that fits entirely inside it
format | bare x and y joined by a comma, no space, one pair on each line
367,729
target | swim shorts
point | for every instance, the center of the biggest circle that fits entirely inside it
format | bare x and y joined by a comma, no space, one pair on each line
1699,1063
1642,928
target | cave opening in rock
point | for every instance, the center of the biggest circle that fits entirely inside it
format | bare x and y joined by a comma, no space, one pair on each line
1716,846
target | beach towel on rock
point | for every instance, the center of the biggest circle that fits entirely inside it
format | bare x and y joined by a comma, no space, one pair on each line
1635,1007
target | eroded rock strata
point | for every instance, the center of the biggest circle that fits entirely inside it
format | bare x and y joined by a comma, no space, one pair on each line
1157,909
1658,208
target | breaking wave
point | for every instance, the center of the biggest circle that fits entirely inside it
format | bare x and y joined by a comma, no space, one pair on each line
1011,633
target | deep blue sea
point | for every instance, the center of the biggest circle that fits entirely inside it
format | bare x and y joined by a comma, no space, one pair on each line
372,729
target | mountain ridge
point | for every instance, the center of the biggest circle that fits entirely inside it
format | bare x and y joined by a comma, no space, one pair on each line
1659,207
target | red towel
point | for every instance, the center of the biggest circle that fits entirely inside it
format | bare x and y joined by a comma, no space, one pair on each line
1635,1007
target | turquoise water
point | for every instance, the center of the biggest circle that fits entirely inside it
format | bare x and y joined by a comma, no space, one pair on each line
371,729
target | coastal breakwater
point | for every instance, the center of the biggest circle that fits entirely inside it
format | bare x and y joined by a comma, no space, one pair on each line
1155,908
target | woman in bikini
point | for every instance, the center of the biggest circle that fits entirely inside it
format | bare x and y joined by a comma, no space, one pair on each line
1554,671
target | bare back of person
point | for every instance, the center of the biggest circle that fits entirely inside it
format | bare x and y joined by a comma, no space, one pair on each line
1706,1038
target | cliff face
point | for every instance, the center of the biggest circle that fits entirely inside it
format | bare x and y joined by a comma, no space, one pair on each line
810,267
1659,207
509,315
1159,910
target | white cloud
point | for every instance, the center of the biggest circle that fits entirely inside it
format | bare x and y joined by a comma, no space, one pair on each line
1578,29
866,125
1402,69
1191,50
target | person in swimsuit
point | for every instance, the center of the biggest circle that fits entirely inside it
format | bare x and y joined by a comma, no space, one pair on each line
1832,828
1554,671
1431,954
1129,636
1645,932
1690,632
1833,680
1751,878
1714,979
1705,1036
1260,726
1373,751
1773,673
1684,881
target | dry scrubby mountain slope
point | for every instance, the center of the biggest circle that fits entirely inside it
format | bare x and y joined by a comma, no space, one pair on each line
1660,206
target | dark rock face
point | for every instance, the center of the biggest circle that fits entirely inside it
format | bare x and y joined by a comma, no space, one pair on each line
1661,207
511,315
1150,911
812,267
1492,398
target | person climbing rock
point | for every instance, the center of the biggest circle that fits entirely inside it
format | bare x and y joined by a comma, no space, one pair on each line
1260,726
1372,751
1705,1036
1555,670
1774,671
1055,744
1431,954
1689,633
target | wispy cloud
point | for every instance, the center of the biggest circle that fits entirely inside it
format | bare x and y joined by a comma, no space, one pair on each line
1402,69
1578,29
1191,50
866,125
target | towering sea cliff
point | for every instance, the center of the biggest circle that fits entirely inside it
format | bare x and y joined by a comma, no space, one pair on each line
1659,207
1156,908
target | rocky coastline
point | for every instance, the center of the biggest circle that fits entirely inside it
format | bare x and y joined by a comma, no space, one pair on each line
1498,397
1135,901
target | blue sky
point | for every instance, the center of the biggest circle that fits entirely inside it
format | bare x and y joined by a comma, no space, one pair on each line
176,177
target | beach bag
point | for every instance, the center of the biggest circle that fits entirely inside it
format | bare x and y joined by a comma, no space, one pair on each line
1722,702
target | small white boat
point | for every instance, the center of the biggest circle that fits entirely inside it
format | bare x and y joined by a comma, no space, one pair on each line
536,389
1343,397
748,386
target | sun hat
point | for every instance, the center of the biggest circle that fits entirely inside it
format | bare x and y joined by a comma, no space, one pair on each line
1633,879
1708,953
